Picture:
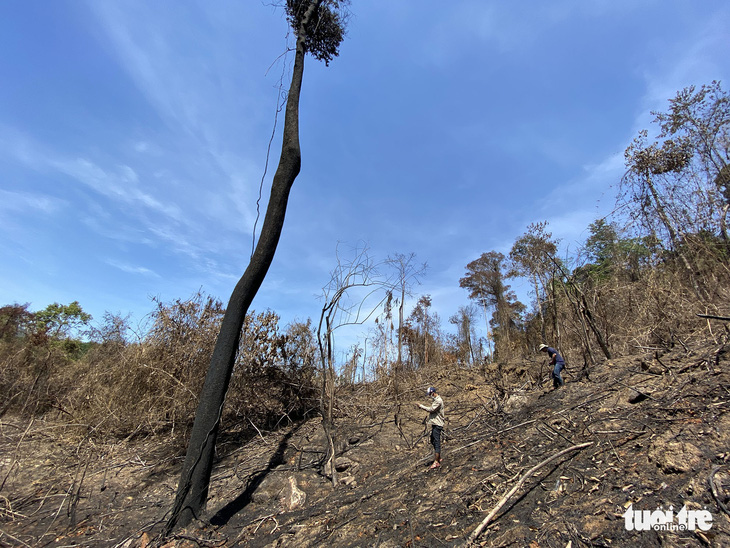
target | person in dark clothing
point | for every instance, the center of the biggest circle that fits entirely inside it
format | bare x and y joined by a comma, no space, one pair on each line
558,363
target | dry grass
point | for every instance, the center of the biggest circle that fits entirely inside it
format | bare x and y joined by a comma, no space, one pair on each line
141,385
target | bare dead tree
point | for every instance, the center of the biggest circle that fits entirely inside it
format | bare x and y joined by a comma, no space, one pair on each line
351,297
577,298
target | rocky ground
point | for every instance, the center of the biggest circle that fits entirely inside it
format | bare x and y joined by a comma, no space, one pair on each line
641,433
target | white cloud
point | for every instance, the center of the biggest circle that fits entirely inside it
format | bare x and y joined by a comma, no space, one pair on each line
19,202
572,207
510,26
131,269
191,76
146,148
120,185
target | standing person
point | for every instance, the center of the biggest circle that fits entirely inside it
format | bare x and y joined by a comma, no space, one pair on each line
557,361
436,420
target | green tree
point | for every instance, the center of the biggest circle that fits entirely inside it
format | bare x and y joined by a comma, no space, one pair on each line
612,256
464,339
601,246
319,27
485,280
62,321
530,257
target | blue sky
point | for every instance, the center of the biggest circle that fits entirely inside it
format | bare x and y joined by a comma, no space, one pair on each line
133,137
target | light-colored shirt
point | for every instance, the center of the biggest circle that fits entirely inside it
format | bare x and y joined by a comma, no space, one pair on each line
435,411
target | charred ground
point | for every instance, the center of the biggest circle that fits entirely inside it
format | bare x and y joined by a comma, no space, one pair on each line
658,423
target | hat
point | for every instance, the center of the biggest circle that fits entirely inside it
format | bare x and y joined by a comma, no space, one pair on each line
430,391
542,346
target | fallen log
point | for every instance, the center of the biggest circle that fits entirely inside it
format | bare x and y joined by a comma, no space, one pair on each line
485,521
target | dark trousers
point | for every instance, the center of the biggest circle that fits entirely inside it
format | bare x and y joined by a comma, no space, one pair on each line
436,438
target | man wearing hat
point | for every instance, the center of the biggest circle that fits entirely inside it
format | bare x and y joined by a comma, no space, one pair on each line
557,361
436,420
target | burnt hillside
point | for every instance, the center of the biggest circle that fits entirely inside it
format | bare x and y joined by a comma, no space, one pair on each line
657,427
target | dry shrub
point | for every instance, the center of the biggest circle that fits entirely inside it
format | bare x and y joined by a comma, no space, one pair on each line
273,379
147,383
29,363
659,309
653,304
150,385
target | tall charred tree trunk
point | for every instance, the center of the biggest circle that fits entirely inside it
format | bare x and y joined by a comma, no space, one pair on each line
192,491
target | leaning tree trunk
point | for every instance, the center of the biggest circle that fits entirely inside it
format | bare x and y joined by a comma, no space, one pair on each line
673,237
192,491
723,224
539,307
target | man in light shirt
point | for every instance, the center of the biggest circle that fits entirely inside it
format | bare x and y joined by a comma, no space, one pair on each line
436,420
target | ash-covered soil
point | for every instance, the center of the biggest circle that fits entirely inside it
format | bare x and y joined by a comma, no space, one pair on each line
658,425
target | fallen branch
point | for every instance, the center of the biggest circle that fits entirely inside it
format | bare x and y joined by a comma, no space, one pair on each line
711,317
204,542
714,489
495,433
5,533
15,454
516,426
512,491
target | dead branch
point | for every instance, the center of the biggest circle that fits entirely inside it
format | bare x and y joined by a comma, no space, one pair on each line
512,491
713,488
548,436
5,533
587,402
207,543
646,373
71,511
711,317
496,433
516,426
7,511
402,434
465,446
546,425
659,361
